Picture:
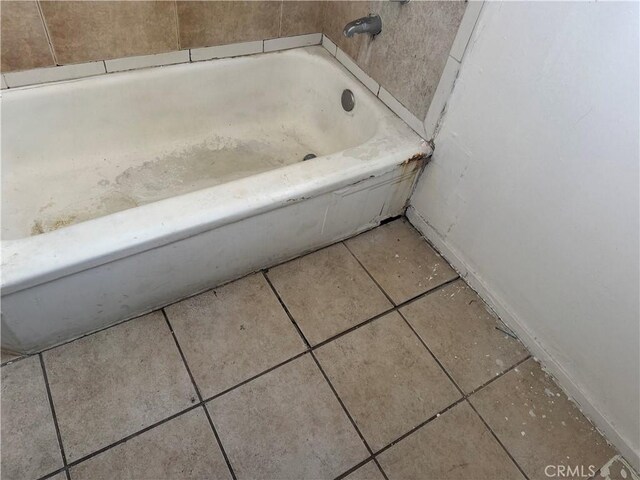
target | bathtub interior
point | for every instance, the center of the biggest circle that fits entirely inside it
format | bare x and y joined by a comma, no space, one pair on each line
78,150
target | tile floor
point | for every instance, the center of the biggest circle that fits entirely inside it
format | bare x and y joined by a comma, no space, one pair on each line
368,359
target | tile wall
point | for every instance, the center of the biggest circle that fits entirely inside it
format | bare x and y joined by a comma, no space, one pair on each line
413,62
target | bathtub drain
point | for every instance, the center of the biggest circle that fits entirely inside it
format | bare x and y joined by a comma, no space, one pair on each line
309,156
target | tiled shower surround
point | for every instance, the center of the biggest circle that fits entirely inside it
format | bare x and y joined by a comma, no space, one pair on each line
407,59
368,359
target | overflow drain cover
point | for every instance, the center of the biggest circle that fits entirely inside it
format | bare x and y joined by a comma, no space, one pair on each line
348,100
309,156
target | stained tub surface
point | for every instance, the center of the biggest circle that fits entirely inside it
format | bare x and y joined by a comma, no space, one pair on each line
84,149
104,170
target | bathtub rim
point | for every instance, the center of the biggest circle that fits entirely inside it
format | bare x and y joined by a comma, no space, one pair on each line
31,261
34,260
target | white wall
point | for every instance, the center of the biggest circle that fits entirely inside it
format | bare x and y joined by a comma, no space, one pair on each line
533,193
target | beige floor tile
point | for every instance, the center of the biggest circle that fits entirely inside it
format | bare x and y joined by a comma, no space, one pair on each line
459,446
617,469
184,447
116,382
29,442
400,260
233,333
286,424
537,423
386,378
327,292
461,333
369,471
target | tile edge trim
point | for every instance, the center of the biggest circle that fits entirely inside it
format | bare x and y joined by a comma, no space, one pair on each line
60,73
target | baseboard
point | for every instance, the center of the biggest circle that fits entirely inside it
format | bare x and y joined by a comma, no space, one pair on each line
549,363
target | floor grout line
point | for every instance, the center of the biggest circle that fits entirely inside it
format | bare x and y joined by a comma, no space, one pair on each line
201,402
464,395
419,426
55,418
384,474
326,377
497,439
134,434
265,270
344,408
310,349
284,307
369,274
256,376
53,474
355,467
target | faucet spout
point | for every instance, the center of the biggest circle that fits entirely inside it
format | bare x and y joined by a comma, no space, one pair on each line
371,24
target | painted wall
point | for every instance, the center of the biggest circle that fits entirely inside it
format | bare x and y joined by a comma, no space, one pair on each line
533,193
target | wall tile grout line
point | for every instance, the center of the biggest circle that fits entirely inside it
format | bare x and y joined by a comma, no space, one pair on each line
175,9
195,386
189,50
280,18
47,34
55,418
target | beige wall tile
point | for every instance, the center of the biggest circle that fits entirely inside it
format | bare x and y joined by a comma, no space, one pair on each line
204,24
24,41
300,17
336,16
408,57
96,30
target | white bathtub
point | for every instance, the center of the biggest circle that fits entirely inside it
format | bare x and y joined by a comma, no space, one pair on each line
125,192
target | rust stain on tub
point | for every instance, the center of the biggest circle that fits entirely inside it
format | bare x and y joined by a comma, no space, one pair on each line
417,158
414,162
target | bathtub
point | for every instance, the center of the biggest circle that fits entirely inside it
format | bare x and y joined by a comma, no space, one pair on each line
125,192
